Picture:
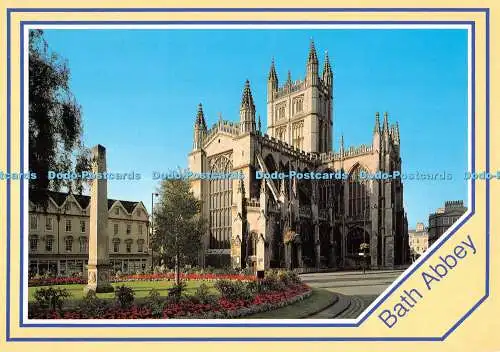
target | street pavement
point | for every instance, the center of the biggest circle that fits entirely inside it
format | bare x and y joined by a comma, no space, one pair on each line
357,290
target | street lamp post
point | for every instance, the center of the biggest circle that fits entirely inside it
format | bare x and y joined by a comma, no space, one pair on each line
369,207
177,253
154,194
364,240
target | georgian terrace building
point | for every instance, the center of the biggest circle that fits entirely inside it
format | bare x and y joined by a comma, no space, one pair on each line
59,230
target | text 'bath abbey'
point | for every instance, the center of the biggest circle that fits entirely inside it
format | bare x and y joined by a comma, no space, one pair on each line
298,223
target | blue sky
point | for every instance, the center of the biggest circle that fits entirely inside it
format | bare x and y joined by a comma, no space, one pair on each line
139,90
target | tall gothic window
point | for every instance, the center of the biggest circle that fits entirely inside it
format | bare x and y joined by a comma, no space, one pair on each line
220,202
281,133
298,134
280,111
359,197
326,190
298,104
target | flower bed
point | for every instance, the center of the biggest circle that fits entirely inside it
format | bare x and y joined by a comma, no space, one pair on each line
189,309
142,277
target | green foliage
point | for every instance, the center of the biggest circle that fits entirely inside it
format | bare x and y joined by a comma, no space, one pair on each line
55,123
178,224
91,305
176,291
51,298
155,303
124,296
253,287
288,277
272,282
234,289
203,295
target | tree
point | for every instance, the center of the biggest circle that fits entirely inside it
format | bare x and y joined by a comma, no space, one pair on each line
55,119
178,224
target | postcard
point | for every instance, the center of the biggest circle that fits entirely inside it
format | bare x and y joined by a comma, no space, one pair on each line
279,176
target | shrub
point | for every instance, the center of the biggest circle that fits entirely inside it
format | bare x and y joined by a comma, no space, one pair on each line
289,277
272,282
234,290
253,287
51,298
155,303
124,296
176,291
92,306
203,295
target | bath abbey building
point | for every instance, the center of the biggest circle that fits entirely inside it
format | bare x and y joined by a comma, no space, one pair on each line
293,222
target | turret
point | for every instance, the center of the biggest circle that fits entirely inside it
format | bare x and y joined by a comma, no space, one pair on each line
312,66
289,80
272,82
247,110
327,73
200,129
386,132
396,134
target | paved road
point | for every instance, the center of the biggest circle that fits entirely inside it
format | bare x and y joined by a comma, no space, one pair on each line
361,289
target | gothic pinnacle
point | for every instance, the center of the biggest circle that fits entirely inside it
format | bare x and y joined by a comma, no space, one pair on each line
385,128
312,53
247,99
376,129
272,72
200,118
326,67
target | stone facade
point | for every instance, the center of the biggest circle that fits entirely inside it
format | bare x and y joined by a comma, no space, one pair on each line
59,228
298,223
418,240
443,218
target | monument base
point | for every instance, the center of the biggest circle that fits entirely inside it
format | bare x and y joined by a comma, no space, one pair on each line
98,289
98,279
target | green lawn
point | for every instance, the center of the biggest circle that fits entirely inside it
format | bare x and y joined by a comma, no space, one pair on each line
141,288
319,300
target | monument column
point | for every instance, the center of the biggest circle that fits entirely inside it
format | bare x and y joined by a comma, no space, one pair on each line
98,265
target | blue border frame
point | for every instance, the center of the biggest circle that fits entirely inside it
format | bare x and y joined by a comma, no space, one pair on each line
401,278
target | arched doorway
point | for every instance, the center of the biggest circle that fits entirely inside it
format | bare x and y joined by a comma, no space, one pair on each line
308,245
355,237
324,243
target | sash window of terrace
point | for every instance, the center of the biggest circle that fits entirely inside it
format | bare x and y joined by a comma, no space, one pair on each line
83,245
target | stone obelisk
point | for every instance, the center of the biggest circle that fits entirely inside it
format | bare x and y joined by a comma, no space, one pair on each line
98,266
